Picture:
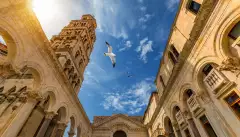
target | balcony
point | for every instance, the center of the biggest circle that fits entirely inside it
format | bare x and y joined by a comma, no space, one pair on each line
214,80
180,118
193,104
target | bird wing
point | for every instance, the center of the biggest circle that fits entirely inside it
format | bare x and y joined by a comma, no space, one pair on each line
113,60
109,47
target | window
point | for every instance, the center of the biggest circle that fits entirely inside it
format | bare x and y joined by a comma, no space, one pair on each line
233,100
173,54
189,93
194,6
187,133
207,126
174,50
235,32
207,69
173,59
162,82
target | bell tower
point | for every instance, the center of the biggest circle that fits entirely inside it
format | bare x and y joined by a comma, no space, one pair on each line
73,47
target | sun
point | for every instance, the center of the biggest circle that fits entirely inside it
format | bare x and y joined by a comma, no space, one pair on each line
44,9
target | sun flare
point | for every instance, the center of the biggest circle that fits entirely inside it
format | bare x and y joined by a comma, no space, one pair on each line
44,9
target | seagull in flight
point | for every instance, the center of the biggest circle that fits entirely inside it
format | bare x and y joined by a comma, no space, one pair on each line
129,75
111,55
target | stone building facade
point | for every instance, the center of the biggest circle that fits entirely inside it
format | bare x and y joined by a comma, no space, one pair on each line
40,79
197,82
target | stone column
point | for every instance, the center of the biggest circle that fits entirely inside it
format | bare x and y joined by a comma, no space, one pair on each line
176,129
191,123
44,126
193,127
60,129
71,133
21,116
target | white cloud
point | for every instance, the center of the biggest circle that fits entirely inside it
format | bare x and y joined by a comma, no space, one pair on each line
171,4
127,45
133,100
145,47
160,54
145,18
143,8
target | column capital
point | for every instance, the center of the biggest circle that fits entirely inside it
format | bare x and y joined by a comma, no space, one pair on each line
71,133
50,114
61,125
34,95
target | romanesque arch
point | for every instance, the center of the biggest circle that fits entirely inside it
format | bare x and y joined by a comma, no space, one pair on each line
119,133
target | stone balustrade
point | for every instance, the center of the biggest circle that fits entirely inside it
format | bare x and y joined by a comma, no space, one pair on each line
214,80
193,104
179,118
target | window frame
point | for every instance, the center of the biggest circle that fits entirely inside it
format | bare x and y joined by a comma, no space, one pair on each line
230,106
190,2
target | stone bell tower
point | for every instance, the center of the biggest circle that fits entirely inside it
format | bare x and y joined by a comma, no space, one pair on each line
73,47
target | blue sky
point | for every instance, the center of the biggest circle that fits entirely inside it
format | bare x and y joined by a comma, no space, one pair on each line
137,30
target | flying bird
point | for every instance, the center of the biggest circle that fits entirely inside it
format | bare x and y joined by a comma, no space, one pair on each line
129,75
111,55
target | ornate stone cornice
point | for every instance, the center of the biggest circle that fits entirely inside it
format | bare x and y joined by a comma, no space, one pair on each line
200,22
95,125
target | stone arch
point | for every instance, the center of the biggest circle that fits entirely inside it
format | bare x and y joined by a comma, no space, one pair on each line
224,28
168,126
172,106
37,70
119,133
13,41
120,126
52,99
197,70
63,110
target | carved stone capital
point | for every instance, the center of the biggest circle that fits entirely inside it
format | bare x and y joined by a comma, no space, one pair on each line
71,133
50,114
61,125
230,64
34,95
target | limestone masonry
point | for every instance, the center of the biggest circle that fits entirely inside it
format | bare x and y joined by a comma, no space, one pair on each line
198,84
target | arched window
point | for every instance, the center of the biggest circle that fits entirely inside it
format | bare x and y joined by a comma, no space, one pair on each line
3,47
235,32
207,69
120,134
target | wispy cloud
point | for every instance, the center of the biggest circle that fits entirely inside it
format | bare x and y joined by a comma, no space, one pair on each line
144,48
133,100
145,18
127,45
140,1
171,4
143,8
160,54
